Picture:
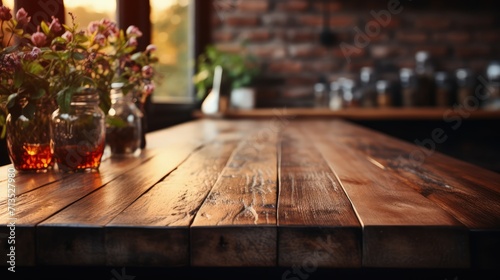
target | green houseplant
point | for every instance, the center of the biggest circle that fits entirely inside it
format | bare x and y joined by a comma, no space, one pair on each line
239,70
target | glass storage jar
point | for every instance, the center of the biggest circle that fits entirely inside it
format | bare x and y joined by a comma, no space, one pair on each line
78,135
123,123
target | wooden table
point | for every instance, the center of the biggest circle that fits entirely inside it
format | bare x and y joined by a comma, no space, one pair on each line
272,192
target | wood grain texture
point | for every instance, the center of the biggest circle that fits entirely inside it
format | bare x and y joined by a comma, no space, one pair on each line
154,230
236,225
467,192
401,228
316,220
39,204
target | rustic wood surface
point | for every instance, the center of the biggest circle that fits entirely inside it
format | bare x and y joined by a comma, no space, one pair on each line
272,192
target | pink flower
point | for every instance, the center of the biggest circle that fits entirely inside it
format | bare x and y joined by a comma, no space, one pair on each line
38,38
22,17
93,27
35,52
100,39
133,31
148,89
132,42
150,48
147,71
68,36
108,27
5,13
55,26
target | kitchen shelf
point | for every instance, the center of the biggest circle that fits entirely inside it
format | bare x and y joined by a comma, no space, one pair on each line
368,114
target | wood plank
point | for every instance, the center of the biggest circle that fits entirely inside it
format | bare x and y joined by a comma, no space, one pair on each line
81,225
154,230
39,204
236,225
467,192
401,228
316,222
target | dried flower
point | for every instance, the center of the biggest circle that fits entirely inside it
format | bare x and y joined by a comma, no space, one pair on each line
150,48
55,27
133,31
5,13
38,38
68,36
147,72
132,42
22,17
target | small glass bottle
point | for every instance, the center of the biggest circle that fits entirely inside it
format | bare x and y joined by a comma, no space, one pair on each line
444,89
492,101
408,87
123,123
367,90
320,96
384,99
349,99
335,96
425,84
78,135
465,83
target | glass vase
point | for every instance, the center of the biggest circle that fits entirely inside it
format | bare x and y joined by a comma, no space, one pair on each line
27,135
123,123
78,136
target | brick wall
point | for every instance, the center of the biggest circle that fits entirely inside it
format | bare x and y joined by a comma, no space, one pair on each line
285,36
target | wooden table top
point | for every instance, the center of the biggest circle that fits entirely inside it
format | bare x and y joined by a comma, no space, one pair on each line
261,193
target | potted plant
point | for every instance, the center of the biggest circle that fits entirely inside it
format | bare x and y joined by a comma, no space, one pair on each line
239,73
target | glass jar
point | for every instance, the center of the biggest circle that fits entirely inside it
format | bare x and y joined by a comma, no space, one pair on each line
78,136
384,99
320,96
425,83
492,102
444,89
123,123
408,87
28,137
335,102
465,84
367,91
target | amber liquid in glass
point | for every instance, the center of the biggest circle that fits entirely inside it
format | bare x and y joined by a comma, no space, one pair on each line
30,157
75,157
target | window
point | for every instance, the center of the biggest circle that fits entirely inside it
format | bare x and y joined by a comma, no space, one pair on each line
172,35
89,10
171,23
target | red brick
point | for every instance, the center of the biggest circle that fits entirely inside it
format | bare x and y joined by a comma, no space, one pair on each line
298,92
276,19
229,47
343,21
298,36
273,51
411,37
434,50
241,20
285,66
477,51
307,50
293,80
432,22
310,20
333,6
256,35
487,36
475,21
453,37
223,35
253,5
360,52
293,6
320,67
385,51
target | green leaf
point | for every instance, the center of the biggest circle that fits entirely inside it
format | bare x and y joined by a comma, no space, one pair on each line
58,40
45,27
115,122
50,55
78,56
64,99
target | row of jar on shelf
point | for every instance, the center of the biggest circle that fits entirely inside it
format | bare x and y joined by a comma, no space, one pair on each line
419,87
